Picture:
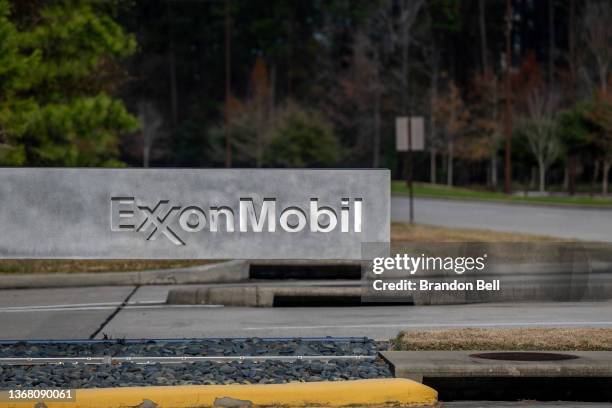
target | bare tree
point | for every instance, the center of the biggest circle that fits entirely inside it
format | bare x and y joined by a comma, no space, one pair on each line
365,81
597,41
408,12
601,116
260,106
432,57
150,124
453,115
434,140
540,129
400,22
486,107
597,38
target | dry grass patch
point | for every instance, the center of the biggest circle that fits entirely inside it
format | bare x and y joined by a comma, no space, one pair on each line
428,233
9,266
505,339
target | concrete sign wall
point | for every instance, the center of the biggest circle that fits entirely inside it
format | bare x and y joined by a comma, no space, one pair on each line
191,213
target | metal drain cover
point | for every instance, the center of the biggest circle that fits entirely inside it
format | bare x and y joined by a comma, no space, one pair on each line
524,356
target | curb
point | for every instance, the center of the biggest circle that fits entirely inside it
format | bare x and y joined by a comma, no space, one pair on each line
253,296
467,364
223,272
376,392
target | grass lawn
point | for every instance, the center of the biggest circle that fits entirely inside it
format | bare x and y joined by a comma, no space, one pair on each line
404,232
22,266
505,339
442,191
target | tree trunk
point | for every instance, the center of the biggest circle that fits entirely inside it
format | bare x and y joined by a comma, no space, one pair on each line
573,59
449,163
508,102
494,169
145,155
173,86
228,82
376,144
433,101
483,36
146,143
604,180
259,148
603,76
594,177
404,80
532,179
551,40
432,165
571,176
542,178
172,68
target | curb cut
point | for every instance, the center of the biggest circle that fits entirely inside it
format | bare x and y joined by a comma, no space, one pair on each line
223,272
376,392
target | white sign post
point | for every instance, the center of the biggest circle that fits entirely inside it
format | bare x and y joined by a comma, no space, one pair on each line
409,137
409,133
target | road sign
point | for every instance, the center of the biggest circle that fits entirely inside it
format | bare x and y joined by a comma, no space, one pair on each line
417,133
401,134
409,137
409,129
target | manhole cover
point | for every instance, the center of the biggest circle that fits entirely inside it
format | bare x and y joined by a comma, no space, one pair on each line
524,356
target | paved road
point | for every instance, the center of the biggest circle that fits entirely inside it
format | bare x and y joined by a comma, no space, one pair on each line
79,312
580,223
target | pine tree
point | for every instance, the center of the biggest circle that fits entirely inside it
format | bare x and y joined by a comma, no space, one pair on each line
57,70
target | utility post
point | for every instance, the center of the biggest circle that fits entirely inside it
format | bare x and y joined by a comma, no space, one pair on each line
409,171
409,137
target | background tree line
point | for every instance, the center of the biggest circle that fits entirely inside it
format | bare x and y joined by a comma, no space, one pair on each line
311,84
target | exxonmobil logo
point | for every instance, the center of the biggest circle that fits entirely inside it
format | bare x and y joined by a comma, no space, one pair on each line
175,222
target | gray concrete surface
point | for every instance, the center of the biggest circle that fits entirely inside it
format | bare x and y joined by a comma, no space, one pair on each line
231,271
375,322
191,213
57,313
259,294
78,312
579,223
62,296
418,364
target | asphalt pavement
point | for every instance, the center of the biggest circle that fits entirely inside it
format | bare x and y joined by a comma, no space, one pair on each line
78,313
589,224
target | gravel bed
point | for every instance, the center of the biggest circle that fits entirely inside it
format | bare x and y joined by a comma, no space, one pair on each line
246,372
199,347
201,372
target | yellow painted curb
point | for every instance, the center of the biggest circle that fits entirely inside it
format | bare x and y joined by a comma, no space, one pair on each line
378,392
